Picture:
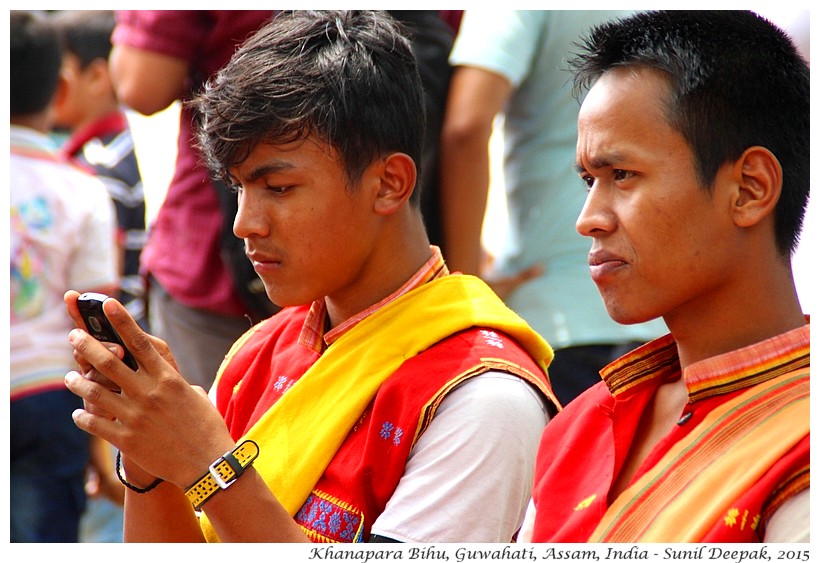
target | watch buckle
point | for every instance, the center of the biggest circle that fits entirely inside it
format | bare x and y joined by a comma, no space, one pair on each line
222,483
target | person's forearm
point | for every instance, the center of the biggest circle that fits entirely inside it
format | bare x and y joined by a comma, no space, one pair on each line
248,512
161,515
244,512
145,81
465,180
476,96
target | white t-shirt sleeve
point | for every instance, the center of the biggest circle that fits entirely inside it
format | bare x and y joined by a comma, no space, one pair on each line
525,535
469,477
502,41
790,522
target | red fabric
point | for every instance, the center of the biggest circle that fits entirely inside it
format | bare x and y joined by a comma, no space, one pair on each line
112,123
452,18
578,460
366,469
266,365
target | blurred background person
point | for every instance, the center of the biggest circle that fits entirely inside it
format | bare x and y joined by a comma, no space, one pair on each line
198,276
62,236
99,138
431,34
511,64
796,23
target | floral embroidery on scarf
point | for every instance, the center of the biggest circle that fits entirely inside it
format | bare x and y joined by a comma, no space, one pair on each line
492,339
282,383
389,429
734,517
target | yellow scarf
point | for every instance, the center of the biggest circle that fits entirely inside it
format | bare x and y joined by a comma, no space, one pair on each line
301,432
695,483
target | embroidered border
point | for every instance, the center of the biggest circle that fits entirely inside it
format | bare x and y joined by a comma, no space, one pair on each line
797,482
327,519
487,364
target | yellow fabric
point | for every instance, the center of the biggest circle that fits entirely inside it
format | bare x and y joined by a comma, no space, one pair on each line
301,433
706,480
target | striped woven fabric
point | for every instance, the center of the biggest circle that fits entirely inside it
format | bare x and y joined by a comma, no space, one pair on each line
699,478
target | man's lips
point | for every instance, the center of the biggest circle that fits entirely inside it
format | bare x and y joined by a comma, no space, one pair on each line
262,261
603,263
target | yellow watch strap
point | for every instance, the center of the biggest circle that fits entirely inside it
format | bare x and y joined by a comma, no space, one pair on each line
222,473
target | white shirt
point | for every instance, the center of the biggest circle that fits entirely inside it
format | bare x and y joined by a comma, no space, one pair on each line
62,237
469,476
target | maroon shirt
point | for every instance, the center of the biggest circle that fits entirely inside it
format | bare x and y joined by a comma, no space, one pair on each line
183,250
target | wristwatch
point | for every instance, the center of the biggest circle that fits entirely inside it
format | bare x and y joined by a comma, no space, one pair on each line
222,473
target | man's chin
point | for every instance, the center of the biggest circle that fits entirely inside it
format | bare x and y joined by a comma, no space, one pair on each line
625,316
282,299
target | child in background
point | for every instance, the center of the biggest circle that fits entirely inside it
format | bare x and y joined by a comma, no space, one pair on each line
62,235
101,139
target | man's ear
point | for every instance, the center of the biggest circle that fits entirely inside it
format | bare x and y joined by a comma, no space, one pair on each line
99,78
61,92
759,179
397,182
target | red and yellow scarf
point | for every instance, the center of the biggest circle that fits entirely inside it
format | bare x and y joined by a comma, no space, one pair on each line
336,389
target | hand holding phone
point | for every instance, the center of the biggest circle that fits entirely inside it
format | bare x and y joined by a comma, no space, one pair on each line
98,326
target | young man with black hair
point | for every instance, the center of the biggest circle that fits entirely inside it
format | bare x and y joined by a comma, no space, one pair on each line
694,145
388,400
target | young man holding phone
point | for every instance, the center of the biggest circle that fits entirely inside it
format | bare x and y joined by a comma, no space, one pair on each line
379,402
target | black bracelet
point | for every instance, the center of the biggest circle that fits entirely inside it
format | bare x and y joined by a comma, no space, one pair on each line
129,485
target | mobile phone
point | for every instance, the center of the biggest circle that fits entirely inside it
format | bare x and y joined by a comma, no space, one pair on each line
90,305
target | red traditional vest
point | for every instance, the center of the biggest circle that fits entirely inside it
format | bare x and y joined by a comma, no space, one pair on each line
722,454
365,471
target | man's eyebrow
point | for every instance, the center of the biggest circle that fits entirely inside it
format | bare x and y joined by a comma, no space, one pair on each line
270,167
601,161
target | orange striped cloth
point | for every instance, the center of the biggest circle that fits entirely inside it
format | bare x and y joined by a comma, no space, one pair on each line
700,477
744,433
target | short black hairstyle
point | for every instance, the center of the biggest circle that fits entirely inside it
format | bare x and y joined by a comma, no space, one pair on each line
348,77
35,59
736,81
86,33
